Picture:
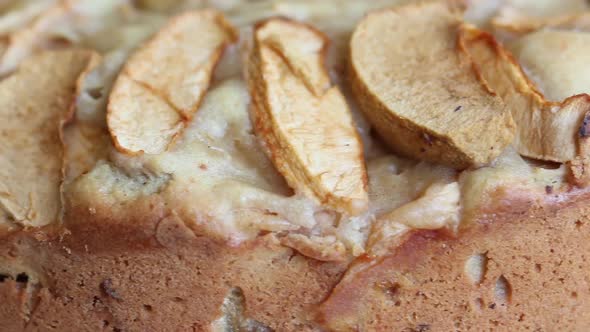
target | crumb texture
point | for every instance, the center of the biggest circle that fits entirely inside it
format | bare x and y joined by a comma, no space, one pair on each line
519,272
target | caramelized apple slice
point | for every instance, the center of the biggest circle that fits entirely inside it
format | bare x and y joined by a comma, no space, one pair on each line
420,93
302,118
547,130
162,84
34,104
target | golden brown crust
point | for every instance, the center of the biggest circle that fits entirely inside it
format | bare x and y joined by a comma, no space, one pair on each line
534,261
108,272
156,274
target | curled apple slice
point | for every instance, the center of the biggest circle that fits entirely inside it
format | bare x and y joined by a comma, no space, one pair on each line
302,118
512,22
34,104
161,85
57,24
31,36
418,90
547,130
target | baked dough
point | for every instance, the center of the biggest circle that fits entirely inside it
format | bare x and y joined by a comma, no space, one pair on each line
205,234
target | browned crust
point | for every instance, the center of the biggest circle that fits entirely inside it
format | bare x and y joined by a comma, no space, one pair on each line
422,285
155,274
167,276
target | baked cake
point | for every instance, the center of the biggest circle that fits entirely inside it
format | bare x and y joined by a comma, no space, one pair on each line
284,165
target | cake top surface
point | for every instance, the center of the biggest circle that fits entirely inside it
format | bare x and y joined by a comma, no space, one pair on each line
336,130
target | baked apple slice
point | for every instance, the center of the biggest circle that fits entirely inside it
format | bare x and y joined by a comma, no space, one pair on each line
302,118
34,104
550,113
20,41
420,93
162,84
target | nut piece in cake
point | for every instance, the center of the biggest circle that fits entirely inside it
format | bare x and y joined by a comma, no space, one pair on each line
549,115
302,118
162,84
419,91
34,104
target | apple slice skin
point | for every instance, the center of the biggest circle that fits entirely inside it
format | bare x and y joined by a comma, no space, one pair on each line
304,121
162,84
423,98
